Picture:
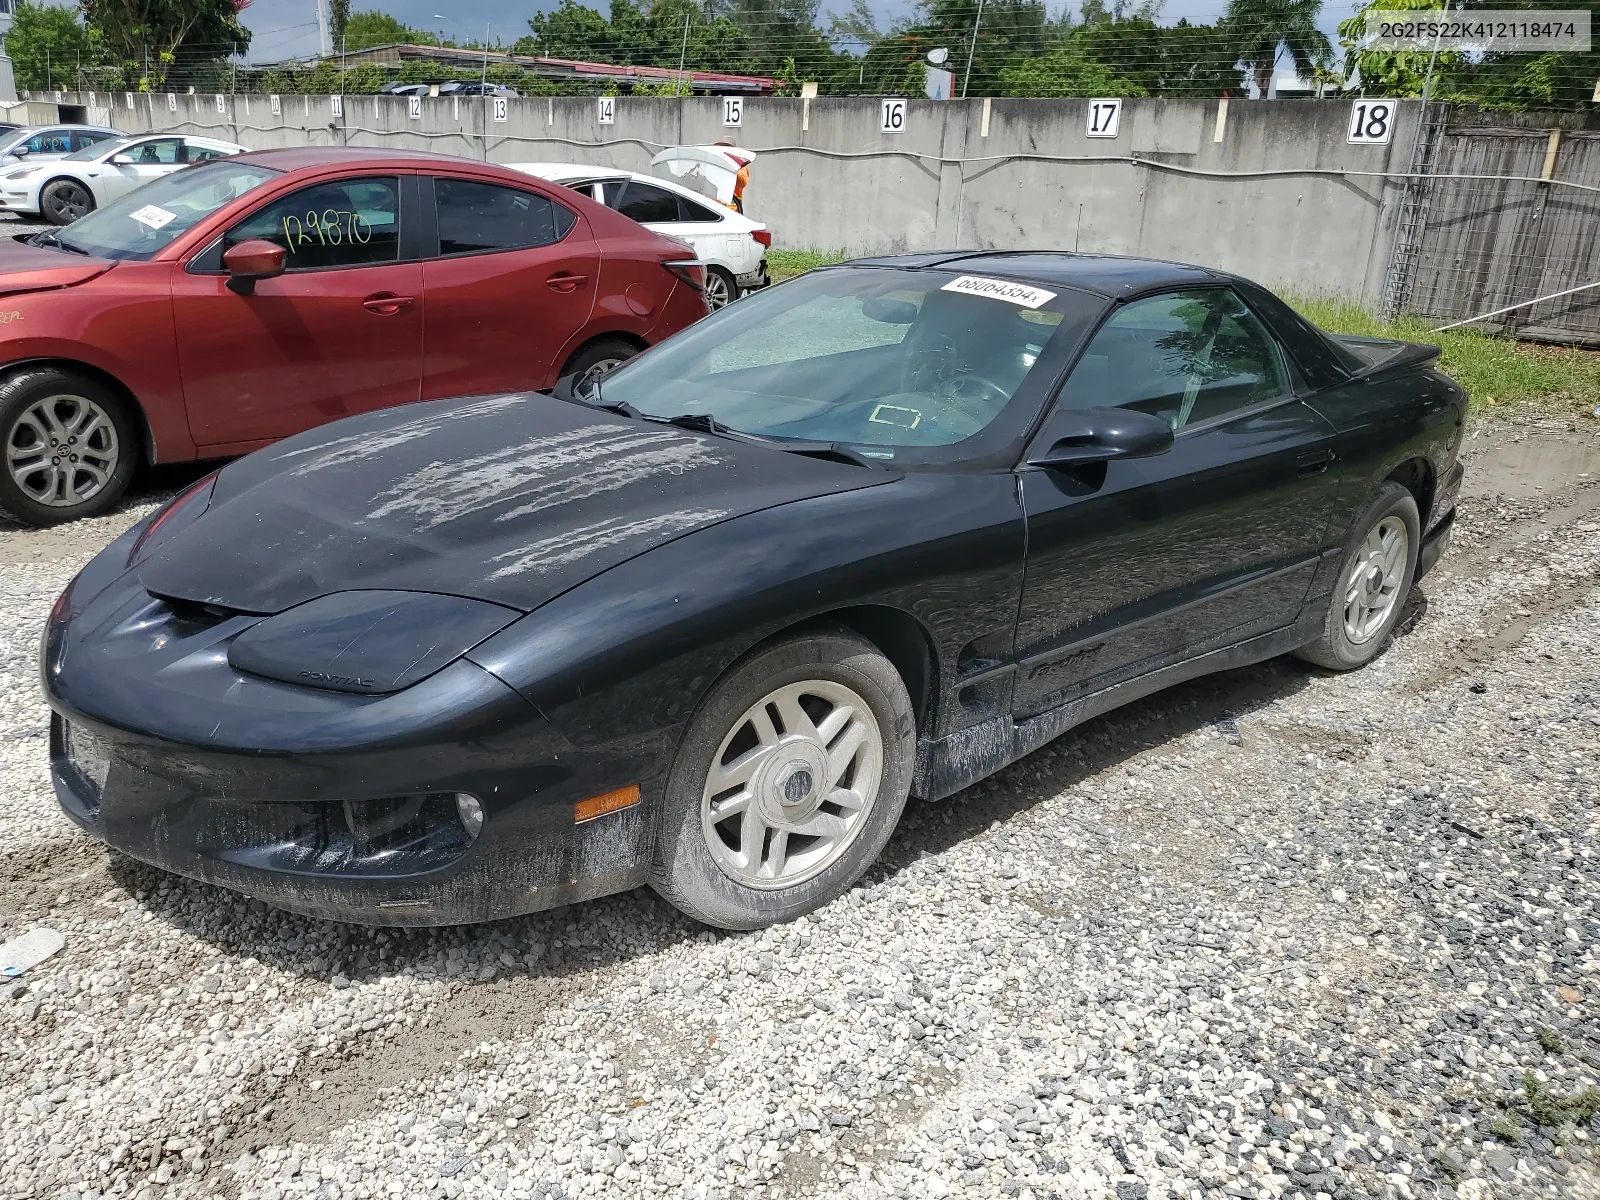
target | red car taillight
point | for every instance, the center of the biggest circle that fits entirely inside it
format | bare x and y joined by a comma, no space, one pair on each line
691,270
764,236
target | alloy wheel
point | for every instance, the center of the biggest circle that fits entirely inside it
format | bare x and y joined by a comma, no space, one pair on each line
62,450
68,203
792,784
718,293
1373,588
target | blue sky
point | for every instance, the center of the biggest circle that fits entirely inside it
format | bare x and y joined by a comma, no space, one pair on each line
287,28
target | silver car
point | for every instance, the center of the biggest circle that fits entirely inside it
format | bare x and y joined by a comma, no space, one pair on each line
39,143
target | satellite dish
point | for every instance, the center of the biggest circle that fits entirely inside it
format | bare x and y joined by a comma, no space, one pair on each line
939,56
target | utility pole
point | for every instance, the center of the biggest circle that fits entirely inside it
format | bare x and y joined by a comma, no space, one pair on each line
967,77
683,51
324,30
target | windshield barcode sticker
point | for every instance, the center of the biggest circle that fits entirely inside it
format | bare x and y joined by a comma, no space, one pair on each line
999,289
152,216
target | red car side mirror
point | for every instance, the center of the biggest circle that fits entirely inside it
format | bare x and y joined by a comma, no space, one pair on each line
249,261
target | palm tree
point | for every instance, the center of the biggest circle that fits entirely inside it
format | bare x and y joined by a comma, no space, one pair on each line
1257,29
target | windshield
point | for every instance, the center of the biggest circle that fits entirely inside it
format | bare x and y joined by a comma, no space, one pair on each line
151,217
96,150
862,356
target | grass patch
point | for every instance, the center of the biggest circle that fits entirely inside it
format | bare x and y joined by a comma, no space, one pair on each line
786,264
1494,370
1542,1108
1549,1040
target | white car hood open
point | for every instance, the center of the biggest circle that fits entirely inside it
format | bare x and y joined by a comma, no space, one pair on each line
709,170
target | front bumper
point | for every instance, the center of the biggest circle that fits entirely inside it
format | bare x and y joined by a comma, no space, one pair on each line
18,202
335,805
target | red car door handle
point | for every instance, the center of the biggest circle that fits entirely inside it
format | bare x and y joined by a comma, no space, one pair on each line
386,304
565,282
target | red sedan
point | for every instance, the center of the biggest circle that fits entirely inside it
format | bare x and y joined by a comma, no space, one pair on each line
237,302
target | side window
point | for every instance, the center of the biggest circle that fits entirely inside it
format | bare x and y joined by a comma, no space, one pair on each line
474,217
199,154
345,223
688,210
1187,356
160,152
645,202
50,141
82,139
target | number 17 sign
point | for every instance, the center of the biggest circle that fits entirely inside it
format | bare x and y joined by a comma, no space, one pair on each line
1104,117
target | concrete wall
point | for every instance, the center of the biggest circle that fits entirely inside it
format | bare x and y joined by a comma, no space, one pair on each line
965,173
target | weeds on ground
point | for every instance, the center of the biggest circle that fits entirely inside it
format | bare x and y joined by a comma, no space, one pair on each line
1549,1040
1493,369
786,264
1542,1108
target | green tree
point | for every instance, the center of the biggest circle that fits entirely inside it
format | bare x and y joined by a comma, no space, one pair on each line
149,42
1259,30
338,19
1164,60
364,30
1388,72
1065,72
1519,82
46,44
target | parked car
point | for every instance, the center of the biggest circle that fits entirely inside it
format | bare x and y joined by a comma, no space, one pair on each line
733,247
63,190
473,87
880,531
406,89
245,299
39,143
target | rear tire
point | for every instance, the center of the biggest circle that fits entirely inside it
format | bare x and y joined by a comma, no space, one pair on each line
766,818
63,201
721,289
1375,577
595,360
70,447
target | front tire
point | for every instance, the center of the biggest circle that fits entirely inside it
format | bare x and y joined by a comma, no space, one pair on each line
1375,577
70,447
63,201
788,783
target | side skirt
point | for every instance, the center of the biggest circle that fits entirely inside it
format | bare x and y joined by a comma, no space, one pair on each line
946,765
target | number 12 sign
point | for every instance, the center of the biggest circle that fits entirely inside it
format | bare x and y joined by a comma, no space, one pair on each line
1104,117
1371,122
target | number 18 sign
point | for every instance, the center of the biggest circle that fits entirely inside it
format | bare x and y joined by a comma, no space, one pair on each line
1371,122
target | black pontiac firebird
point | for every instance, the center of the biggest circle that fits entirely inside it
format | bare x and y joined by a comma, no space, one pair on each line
877,532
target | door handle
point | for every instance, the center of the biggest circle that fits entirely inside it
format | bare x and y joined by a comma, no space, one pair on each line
1315,463
386,304
566,282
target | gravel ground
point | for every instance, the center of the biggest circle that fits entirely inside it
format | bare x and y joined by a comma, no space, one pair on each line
1274,933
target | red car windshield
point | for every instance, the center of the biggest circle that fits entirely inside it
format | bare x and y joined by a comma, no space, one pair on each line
149,218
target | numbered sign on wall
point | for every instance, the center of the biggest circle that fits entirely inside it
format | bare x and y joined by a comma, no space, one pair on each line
336,104
222,104
129,97
733,111
892,117
276,104
606,110
498,108
1371,122
172,101
414,107
1104,118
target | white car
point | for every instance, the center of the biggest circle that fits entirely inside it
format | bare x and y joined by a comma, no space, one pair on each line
733,247
65,189
41,143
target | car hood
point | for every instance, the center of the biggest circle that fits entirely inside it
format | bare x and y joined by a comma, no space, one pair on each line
510,499
25,268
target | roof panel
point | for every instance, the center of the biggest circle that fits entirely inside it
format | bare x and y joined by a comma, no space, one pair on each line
1109,275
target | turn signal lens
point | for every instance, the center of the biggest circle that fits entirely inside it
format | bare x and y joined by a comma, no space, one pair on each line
606,802
470,810
764,236
691,270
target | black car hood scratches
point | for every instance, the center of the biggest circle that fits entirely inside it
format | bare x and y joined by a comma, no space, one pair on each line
511,499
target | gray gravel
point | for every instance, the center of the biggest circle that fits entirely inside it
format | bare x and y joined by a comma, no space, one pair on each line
1275,933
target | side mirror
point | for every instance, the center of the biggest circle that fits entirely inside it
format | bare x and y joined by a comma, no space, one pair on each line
251,261
122,160
1089,435
21,151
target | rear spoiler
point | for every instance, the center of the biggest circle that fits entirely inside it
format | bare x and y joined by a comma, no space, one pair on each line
1382,355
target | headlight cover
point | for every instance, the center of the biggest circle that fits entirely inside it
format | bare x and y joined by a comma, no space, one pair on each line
366,642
